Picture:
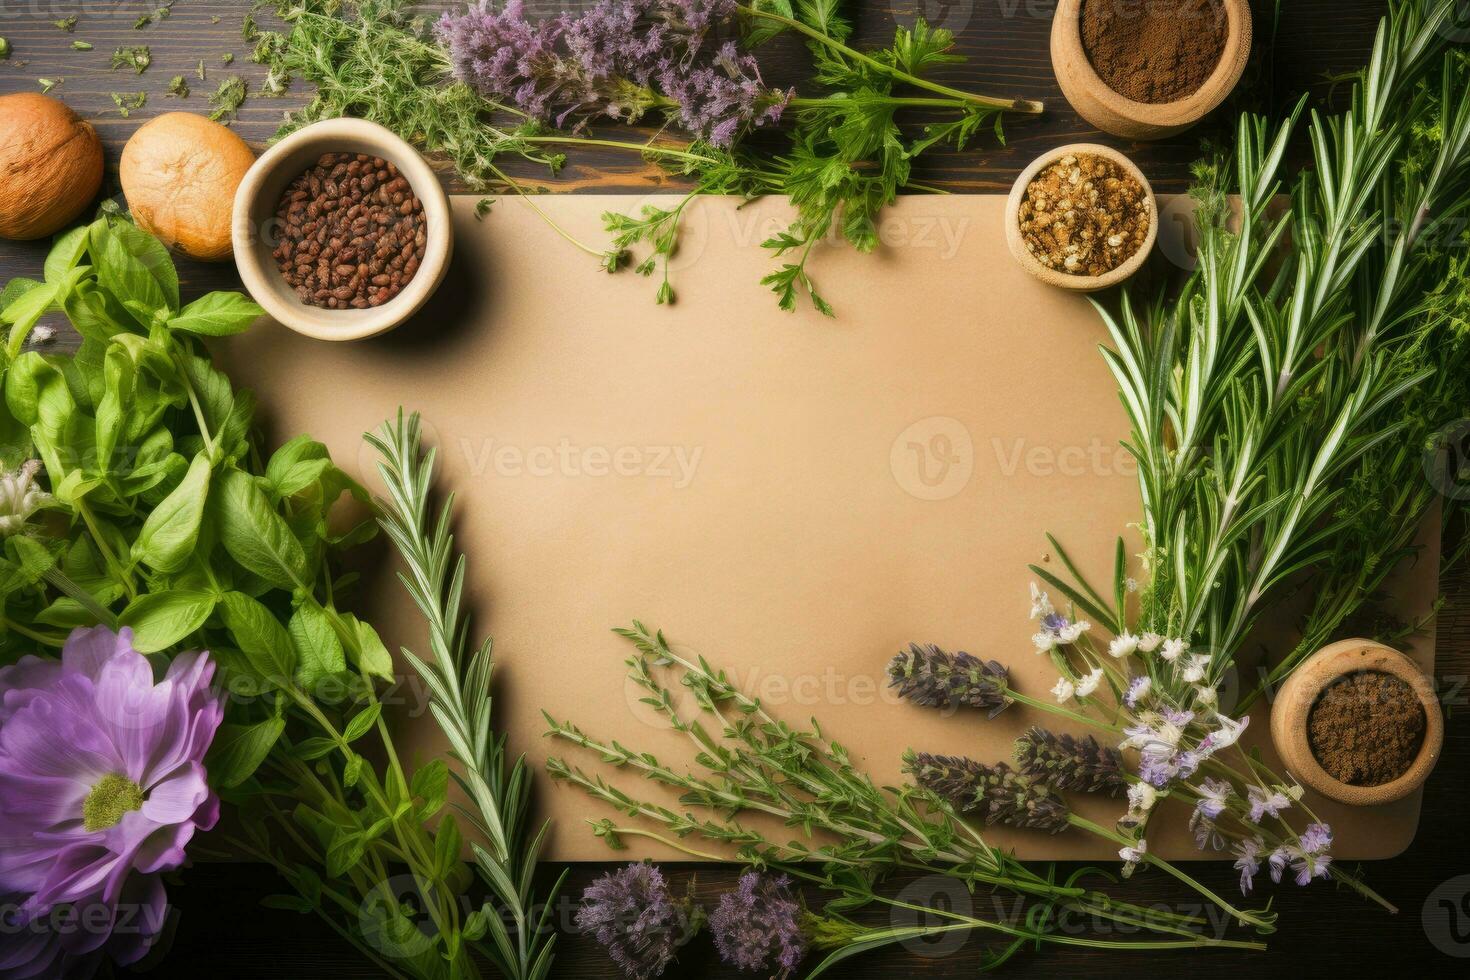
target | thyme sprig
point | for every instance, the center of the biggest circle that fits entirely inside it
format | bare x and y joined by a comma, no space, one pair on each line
852,830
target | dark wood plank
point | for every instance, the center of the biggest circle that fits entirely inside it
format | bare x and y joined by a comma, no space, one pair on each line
220,927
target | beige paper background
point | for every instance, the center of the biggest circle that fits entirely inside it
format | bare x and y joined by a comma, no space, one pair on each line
813,529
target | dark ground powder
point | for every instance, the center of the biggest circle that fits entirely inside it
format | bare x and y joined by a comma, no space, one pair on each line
1366,729
1154,50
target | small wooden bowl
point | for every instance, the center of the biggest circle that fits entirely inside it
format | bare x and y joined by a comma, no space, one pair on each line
254,228
1066,280
1328,665
1111,112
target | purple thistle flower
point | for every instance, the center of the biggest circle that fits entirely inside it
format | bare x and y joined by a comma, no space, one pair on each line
617,60
757,927
102,786
632,915
1248,862
1263,803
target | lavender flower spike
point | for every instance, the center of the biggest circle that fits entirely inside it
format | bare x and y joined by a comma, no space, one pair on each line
935,678
757,927
617,60
634,917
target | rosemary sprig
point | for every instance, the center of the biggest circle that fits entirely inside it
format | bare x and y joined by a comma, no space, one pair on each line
459,680
1274,411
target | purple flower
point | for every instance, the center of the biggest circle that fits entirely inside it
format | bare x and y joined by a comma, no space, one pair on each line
632,915
1317,838
1263,803
1138,689
757,927
1248,862
617,60
102,785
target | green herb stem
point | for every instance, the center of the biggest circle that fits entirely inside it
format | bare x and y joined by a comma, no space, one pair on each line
1009,105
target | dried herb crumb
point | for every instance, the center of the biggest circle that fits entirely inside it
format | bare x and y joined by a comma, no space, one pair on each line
1084,215
137,58
80,46
200,70
178,86
127,102
67,24
228,98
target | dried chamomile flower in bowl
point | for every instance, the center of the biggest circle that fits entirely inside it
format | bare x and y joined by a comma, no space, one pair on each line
1081,217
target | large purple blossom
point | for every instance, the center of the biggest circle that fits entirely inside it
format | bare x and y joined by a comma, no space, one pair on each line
102,785
617,60
632,915
757,927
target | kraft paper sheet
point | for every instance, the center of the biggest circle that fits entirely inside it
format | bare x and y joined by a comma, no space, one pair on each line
794,497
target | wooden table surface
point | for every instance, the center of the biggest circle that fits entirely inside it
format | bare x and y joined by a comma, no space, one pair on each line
221,927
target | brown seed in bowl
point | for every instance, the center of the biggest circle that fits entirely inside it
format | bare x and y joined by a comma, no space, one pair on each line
352,232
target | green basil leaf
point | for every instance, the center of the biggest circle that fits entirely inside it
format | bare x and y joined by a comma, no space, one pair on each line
255,535
66,254
238,750
431,785
362,722
318,650
133,265
161,619
260,636
14,290
217,315
170,533
370,655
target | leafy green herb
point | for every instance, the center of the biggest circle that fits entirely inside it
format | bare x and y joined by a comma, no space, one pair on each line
47,84
178,87
67,24
80,46
228,98
128,102
137,58
227,58
177,522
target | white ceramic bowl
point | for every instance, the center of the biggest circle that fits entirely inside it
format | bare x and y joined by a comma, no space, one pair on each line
259,196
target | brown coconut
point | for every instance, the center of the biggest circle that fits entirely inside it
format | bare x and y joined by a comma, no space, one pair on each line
179,173
50,165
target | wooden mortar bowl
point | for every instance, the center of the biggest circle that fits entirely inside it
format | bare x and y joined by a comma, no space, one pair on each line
1066,280
1111,112
1294,704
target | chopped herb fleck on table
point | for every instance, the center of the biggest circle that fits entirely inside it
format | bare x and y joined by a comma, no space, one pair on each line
178,86
160,14
80,46
227,58
137,58
4,49
200,70
126,102
67,24
47,84
228,98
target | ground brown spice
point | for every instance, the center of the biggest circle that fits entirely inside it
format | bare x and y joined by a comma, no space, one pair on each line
1084,215
1154,50
1366,729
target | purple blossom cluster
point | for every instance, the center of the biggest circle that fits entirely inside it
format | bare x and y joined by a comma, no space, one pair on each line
632,914
757,927
617,60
